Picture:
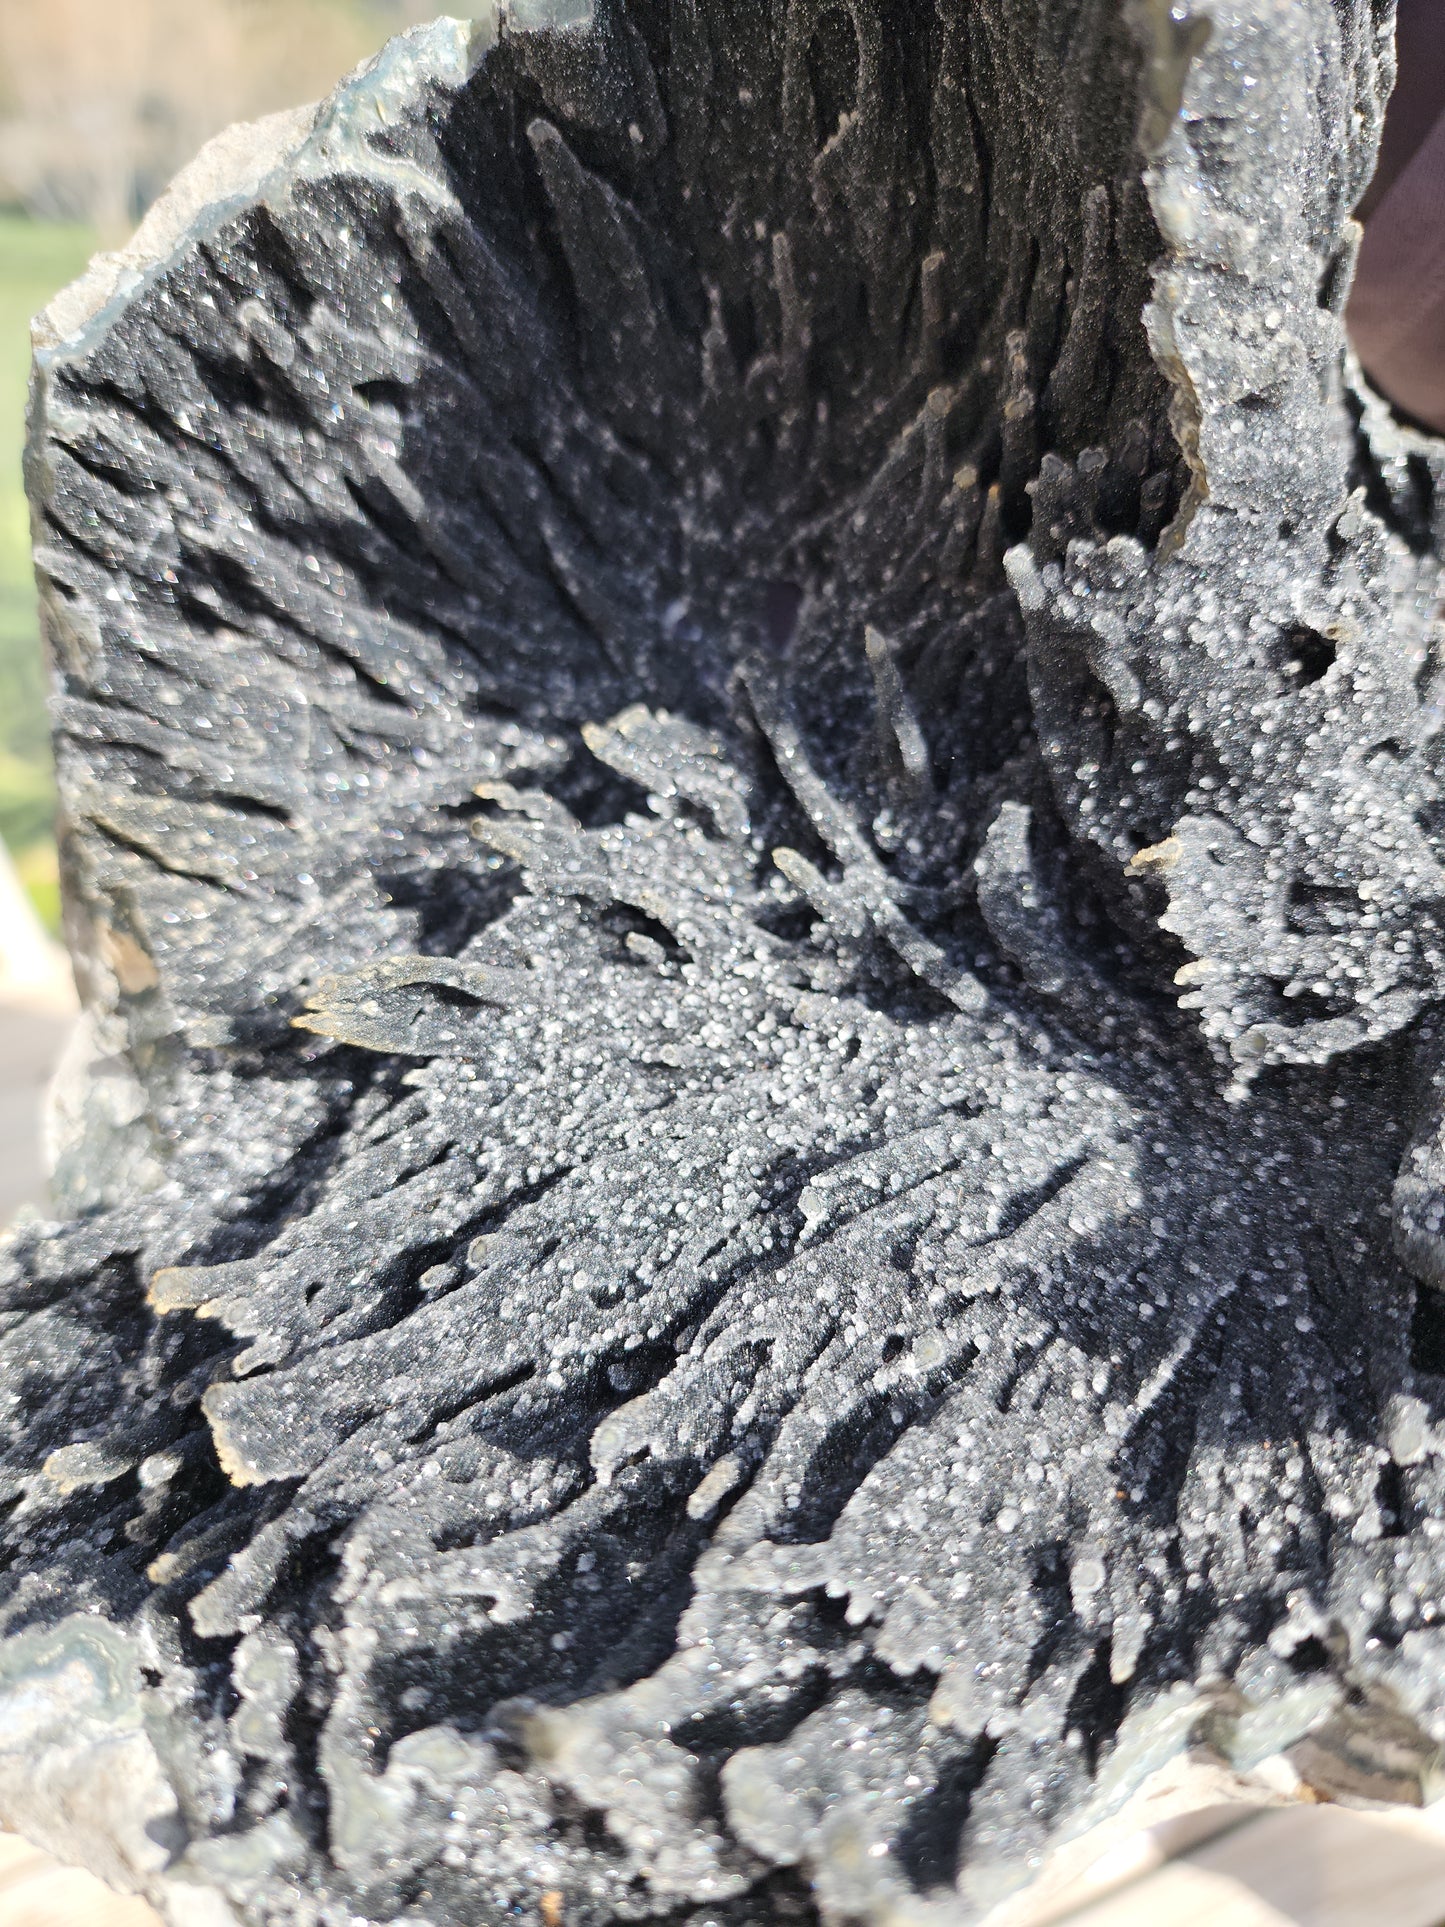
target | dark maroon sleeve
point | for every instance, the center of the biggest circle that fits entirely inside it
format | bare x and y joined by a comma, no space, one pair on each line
1396,315
1419,95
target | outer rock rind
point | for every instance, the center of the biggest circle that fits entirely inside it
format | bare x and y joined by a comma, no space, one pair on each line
80,1774
705,1337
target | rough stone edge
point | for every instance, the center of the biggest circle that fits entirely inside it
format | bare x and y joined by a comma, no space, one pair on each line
79,1776
230,170
245,166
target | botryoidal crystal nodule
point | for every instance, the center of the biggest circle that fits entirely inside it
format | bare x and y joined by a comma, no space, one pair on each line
748,716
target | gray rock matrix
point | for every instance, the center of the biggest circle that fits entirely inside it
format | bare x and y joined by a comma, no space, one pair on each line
749,715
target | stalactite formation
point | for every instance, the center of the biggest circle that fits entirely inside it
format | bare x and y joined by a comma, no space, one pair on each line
748,711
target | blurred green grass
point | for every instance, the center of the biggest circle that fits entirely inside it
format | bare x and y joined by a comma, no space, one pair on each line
36,259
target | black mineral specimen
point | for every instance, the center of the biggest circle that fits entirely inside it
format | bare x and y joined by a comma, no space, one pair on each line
749,710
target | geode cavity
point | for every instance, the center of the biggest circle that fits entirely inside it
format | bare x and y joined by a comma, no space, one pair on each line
749,720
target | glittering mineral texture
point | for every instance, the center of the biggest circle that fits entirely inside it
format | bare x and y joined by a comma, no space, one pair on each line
754,1193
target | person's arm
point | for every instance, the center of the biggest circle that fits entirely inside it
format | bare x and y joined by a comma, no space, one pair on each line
1396,312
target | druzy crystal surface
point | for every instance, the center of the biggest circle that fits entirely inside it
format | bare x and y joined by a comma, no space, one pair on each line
753,1195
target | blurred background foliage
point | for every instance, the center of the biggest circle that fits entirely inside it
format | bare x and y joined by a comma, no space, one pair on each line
101,101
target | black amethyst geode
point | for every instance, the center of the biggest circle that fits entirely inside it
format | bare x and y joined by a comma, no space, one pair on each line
749,715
